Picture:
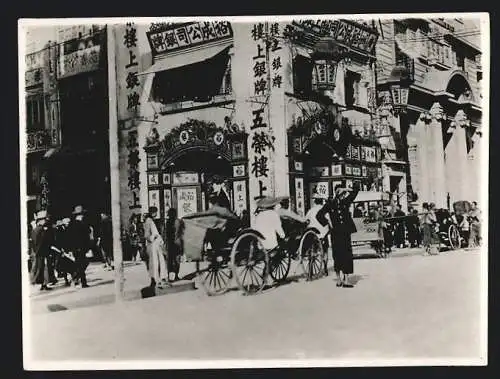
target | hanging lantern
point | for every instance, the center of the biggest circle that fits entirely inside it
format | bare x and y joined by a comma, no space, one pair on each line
326,56
399,86
325,74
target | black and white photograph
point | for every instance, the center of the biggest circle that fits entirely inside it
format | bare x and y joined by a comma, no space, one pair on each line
254,191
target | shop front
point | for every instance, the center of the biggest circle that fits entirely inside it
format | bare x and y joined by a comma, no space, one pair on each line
324,154
192,160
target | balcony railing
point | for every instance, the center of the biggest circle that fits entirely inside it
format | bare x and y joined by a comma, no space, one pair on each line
42,140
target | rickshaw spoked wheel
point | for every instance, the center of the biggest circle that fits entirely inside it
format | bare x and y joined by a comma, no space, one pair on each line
454,237
312,256
216,279
249,263
279,265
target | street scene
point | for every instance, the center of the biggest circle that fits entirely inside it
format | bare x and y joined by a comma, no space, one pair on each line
294,189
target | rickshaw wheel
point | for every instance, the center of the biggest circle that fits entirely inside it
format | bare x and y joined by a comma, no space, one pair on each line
249,263
217,278
454,237
279,265
312,255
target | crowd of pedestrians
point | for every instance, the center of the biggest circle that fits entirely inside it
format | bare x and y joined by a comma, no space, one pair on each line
62,249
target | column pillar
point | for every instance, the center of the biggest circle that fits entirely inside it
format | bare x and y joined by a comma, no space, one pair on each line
438,184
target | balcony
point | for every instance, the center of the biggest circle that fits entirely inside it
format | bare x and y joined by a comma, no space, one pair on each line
41,140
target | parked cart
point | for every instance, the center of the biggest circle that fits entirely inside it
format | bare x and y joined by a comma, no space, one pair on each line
369,228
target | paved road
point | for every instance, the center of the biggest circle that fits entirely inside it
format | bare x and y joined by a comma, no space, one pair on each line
414,307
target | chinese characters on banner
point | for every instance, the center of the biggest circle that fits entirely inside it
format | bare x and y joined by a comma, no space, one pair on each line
186,201
240,196
154,200
132,84
178,37
299,196
134,184
261,138
128,94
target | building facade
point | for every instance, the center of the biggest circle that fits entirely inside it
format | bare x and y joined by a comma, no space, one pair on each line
275,109
67,121
439,132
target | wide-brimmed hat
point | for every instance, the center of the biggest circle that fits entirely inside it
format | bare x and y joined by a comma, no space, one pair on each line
78,210
41,215
267,202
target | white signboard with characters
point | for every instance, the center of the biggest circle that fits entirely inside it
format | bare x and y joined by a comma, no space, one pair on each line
186,201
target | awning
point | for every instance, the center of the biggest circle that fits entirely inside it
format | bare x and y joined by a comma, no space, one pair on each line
187,58
364,196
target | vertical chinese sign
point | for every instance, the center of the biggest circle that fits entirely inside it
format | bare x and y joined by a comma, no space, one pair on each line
261,135
129,91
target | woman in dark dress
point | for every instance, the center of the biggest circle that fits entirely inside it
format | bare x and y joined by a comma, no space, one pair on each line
342,226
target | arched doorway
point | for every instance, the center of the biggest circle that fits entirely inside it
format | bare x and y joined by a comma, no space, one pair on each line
191,175
182,165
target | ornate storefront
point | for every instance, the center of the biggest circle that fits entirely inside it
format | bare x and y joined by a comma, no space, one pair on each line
181,167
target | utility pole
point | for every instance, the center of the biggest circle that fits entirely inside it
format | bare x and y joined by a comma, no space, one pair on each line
114,166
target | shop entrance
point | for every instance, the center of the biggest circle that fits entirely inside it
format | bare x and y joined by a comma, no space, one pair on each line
191,178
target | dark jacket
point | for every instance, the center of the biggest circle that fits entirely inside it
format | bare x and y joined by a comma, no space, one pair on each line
222,200
43,238
338,210
79,234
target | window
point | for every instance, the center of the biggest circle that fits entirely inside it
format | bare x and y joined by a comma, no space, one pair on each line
35,113
198,82
352,83
460,61
302,75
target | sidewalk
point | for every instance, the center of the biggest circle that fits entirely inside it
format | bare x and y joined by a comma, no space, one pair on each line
101,283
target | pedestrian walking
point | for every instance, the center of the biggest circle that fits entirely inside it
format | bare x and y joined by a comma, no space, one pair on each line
337,208
174,232
412,225
156,260
65,265
428,222
399,227
43,238
105,240
81,243
475,225
135,238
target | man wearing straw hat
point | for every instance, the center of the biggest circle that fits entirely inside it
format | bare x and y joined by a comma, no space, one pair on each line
79,232
42,241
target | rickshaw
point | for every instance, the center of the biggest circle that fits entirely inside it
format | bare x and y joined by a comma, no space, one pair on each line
235,252
368,227
447,230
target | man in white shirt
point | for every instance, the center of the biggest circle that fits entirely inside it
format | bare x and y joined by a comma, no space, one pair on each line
268,222
318,202
157,266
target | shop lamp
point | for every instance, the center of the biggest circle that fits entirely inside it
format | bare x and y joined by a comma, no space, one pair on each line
399,87
326,56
